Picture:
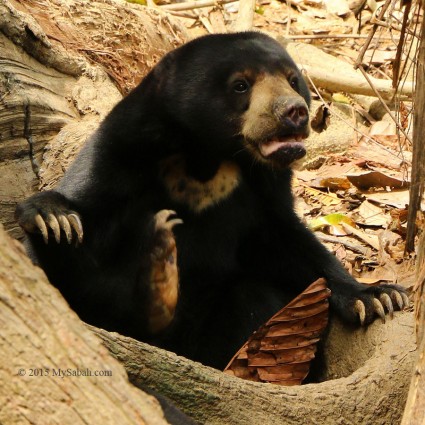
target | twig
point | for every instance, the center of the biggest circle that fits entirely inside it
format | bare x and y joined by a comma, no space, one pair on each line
322,36
182,14
387,109
390,26
189,5
397,60
371,34
350,246
369,239
288,20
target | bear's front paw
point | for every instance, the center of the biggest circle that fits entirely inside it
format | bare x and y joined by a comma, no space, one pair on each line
164,281
356,302
48,213
379,300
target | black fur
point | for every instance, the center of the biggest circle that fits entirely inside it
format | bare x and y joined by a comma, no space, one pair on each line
240,259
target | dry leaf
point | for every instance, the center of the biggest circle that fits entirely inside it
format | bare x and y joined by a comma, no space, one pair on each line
373,215
383,128
372,240
341,98
324,198
369,179
398,199
375,154
321,119
281,351
335,183
368,280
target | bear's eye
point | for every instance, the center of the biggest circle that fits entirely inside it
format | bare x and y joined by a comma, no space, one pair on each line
241,86
293,81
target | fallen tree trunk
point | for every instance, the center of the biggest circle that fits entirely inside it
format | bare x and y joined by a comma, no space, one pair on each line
334,75
53,370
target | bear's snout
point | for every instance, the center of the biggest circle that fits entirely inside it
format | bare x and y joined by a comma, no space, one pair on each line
291,112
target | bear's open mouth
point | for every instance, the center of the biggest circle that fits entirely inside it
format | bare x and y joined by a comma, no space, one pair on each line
291,143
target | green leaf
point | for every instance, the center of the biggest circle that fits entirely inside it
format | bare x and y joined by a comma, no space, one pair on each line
332,223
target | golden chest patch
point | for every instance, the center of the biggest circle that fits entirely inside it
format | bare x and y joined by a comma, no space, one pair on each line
198,195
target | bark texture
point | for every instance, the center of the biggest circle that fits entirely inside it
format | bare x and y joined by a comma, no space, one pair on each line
368,371
415,407
47,356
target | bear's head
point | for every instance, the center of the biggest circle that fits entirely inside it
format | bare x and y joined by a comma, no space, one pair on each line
235,93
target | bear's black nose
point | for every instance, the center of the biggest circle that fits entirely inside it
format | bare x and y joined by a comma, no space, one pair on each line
291,112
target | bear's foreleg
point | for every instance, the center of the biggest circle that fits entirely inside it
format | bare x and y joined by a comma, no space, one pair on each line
49,215
163,278
353,301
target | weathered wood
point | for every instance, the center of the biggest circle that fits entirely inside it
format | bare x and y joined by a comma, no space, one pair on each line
417,185
245,19
49,360
332,74
190,5
364,367
414,413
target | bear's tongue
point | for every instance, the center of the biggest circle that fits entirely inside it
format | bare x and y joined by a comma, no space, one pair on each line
276,143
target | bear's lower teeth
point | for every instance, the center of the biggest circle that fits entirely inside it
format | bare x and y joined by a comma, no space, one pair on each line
277,143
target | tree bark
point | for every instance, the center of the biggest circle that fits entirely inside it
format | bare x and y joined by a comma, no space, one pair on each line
417,184
414,413
49,360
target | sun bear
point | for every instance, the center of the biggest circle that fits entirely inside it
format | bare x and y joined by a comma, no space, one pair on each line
175,224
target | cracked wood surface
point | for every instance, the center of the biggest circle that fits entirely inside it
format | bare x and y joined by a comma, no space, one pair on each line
49,360
33,109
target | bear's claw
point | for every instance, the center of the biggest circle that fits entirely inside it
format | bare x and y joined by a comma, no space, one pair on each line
65,222
385,300
379,309
163,221
361,310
